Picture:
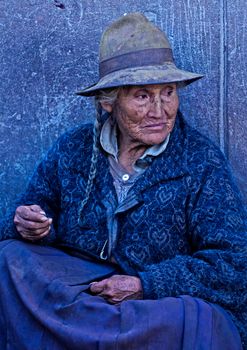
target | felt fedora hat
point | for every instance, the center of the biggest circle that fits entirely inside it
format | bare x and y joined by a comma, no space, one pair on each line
133,51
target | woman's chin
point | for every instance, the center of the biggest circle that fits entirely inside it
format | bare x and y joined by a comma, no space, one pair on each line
155,138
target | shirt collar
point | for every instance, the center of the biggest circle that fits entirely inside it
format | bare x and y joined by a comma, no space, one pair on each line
108,137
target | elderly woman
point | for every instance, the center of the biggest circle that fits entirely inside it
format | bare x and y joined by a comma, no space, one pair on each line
130,235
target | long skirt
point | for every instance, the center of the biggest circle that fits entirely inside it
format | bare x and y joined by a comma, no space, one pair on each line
45,303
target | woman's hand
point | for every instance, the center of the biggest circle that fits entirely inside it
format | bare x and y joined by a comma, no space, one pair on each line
31,222
118,288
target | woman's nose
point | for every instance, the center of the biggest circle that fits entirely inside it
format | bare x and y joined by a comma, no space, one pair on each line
156,107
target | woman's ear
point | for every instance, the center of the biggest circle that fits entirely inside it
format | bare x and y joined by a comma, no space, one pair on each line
106,106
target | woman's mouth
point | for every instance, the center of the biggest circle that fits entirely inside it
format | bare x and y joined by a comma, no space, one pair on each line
156,126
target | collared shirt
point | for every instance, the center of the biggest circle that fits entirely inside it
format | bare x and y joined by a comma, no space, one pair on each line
123,180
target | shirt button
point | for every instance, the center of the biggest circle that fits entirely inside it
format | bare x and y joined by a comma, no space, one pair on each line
125,177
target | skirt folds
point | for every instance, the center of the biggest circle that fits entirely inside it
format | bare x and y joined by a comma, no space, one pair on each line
45,303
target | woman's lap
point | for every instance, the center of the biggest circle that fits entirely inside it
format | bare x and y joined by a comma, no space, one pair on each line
45,304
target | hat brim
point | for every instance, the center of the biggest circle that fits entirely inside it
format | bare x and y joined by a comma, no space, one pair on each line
161,74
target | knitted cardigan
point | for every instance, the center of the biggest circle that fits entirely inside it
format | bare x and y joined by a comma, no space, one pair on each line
182,232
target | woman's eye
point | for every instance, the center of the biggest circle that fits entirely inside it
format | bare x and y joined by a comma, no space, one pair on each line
142,97
168,93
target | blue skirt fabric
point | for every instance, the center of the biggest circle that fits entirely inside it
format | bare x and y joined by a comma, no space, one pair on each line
45,303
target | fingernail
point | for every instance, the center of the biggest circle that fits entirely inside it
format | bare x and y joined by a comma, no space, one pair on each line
42,212
50,220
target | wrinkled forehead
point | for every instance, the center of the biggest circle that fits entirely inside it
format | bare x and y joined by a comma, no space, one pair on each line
126,90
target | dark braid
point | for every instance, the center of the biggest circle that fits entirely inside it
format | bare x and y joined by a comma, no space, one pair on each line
94,158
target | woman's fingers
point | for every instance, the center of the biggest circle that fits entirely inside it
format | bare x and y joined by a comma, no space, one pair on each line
31,225
34,237
118,288
97,287
31,213
31,222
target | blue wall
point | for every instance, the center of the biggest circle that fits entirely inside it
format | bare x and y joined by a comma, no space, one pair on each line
49,50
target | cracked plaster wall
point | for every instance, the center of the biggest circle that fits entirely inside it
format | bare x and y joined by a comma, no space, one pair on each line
49,50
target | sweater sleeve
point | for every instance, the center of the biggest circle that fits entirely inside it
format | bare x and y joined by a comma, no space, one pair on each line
43,190
216,268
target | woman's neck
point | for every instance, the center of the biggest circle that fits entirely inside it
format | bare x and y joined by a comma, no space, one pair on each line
129,153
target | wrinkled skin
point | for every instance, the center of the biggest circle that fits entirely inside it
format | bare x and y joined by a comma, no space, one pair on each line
118,288
31,222
145,115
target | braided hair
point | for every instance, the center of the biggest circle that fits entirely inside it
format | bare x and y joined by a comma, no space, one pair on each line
94,158
110,97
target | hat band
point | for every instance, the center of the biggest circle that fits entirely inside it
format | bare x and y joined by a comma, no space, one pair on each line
147,57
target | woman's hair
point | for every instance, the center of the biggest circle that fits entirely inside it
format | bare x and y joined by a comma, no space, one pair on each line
110,96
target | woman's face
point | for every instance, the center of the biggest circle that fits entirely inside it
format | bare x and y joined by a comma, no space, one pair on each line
145,114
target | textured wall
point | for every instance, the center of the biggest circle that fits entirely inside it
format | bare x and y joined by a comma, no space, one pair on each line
49,49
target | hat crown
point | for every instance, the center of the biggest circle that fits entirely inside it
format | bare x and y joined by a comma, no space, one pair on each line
131,33
133,51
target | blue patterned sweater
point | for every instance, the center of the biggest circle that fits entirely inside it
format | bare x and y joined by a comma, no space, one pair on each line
182,232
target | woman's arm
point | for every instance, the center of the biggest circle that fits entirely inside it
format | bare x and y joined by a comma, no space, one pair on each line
38,207
216,269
